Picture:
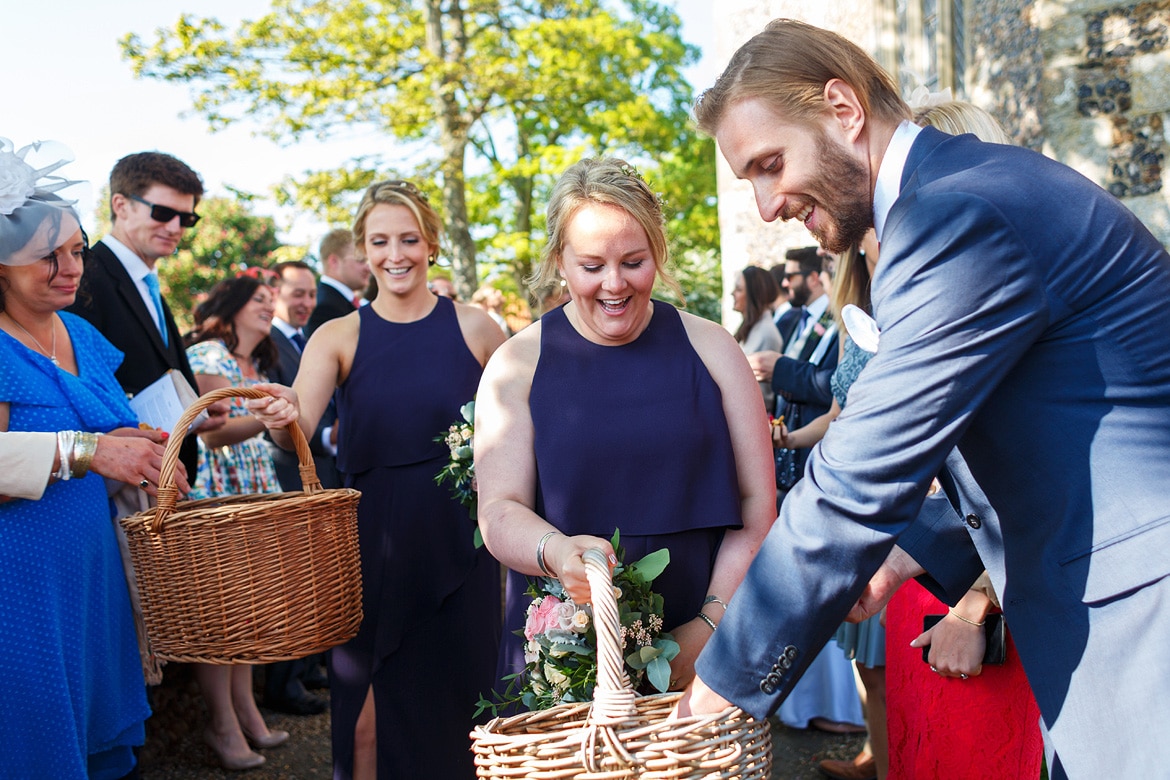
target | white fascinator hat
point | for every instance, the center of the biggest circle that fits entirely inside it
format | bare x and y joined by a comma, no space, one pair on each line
34,220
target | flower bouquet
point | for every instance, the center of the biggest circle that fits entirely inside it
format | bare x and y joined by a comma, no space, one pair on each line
460,468
560,650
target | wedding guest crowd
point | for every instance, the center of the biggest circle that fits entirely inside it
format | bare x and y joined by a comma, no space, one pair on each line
995,334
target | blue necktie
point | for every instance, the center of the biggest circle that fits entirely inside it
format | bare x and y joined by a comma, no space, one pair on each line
298,339
152,285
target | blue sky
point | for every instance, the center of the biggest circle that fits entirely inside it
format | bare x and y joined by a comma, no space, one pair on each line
64,80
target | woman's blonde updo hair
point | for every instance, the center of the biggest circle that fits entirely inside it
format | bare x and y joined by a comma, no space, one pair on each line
399,193
612,182
956,117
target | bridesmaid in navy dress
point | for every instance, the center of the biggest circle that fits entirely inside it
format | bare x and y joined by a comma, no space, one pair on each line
617,410
404,689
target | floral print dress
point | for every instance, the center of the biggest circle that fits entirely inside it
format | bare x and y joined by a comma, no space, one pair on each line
235,469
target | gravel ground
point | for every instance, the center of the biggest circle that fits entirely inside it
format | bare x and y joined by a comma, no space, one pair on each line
175,751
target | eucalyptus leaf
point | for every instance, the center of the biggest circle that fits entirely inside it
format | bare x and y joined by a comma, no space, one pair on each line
668,646
658,673
651,566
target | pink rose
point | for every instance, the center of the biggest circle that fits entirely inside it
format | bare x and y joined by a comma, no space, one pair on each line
819,328
545,616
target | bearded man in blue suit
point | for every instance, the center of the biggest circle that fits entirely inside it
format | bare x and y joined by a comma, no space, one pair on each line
1025,323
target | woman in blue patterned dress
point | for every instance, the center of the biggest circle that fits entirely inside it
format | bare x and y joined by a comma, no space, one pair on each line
231,346
75,700
617,410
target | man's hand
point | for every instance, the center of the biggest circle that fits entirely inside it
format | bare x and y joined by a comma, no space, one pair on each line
217,417
897,568
763,363
132,455
699,699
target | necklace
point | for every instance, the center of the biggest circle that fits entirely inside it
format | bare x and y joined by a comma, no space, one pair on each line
50,354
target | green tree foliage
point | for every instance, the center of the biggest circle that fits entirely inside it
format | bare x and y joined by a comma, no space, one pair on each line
491,99
227,240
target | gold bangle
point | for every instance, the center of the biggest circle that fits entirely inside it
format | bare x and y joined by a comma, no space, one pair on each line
84,447
707,620
965,620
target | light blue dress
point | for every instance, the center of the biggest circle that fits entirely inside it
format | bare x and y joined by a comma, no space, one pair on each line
74,702
864,642
828,689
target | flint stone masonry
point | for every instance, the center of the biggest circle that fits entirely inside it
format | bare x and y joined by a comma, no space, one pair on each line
1086,82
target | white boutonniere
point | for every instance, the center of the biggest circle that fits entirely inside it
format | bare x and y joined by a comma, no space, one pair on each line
861,327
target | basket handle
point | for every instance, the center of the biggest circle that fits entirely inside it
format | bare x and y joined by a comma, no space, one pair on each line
613,696
168,493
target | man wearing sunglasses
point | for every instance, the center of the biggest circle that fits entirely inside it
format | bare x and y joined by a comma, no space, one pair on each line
152,201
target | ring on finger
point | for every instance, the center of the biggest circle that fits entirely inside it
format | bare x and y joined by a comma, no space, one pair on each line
963,676
144,484
933,669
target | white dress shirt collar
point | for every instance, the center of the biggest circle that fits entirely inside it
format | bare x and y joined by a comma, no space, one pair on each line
341,288
134,265
284,328
889,180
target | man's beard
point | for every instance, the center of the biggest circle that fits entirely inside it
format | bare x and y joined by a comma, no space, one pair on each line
798,296
851,209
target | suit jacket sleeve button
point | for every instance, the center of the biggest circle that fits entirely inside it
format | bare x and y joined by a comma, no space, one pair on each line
974,521
767,687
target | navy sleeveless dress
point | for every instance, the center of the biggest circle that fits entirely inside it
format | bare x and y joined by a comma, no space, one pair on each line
631,437
431,626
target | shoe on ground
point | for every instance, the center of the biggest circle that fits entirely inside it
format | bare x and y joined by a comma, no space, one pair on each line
308,704
858,769
835,727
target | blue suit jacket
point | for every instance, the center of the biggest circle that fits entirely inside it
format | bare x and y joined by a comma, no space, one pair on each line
1025,318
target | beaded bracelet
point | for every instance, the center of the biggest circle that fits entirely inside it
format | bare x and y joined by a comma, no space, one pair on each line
707,620
965,620
540,552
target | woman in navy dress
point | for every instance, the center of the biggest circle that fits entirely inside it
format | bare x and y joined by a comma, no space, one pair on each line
404,689
617,410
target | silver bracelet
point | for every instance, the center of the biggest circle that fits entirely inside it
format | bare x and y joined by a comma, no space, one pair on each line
540,552
64,455
715,600
707,620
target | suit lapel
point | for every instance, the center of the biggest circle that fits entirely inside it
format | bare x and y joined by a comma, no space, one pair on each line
132,300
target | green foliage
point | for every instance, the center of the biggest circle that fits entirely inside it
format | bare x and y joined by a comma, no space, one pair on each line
490,98
227,240
562,655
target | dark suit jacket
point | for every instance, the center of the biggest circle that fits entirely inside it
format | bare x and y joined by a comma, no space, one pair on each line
1024,321
109,299
802,388
331,304
287,465
787,323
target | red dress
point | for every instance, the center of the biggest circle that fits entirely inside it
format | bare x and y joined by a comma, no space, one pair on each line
987,727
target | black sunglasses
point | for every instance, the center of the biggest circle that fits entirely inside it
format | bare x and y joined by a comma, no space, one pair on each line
166,213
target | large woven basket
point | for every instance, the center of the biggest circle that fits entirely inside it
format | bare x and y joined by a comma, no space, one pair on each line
246,579
620,735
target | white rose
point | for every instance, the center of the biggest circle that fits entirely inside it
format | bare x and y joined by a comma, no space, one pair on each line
580,621
17,182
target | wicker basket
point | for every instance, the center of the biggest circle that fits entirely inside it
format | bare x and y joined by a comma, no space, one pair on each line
620,735
246,579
